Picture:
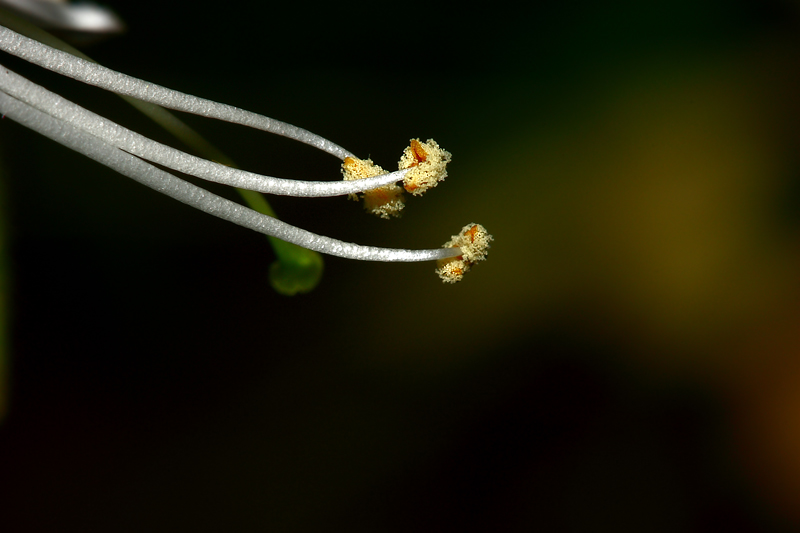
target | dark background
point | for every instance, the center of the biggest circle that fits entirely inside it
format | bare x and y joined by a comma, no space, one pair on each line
626,359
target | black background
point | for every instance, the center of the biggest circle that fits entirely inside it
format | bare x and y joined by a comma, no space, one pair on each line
159,384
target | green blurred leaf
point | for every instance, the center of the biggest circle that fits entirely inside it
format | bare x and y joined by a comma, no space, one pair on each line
299,275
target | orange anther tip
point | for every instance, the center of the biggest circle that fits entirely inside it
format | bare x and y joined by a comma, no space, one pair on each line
419,152
471,232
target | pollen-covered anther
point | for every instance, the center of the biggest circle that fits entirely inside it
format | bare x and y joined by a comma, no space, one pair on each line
385,201
428,164
473,240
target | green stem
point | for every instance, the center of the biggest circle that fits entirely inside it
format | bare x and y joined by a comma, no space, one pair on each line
297,269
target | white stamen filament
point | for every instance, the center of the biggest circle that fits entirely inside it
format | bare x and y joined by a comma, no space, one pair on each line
132,142
129,165
105,78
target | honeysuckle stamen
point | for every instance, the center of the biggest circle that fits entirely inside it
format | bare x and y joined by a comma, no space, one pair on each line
473,243
129,165
139,145
386,201
422,166
111,80
426,163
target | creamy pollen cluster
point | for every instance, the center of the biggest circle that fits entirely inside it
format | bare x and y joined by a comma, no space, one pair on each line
384,201
426,164
474,243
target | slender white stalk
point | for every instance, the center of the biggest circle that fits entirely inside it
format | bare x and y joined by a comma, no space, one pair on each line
99,76
129,165
132,142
